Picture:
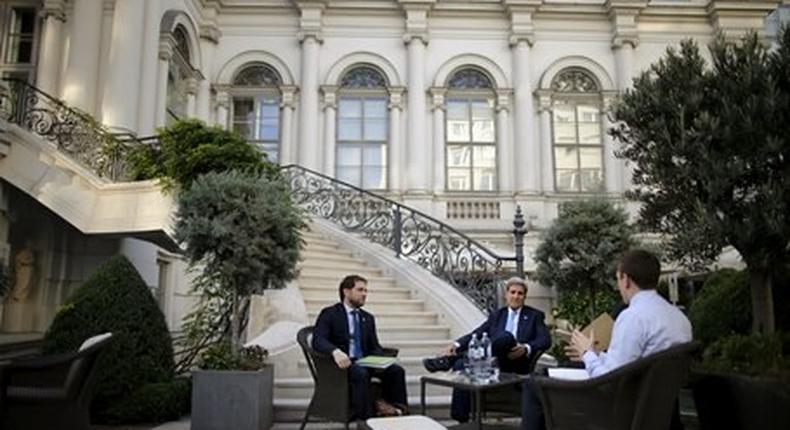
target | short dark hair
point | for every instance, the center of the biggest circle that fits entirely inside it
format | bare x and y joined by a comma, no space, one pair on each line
642,267
348,283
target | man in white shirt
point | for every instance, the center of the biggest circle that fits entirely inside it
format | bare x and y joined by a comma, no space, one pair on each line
650,324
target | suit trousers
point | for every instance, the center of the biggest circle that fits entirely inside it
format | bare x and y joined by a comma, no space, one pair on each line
393,386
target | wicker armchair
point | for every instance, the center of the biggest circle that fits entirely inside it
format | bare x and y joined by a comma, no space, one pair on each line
507,399
52,391
332,393
639,396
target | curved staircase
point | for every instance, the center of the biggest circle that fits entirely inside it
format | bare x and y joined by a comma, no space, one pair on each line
402,321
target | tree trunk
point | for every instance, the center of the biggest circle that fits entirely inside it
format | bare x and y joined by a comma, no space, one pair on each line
760,282
234,325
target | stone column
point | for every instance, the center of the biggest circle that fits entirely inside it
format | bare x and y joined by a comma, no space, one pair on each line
287,107
418,153
191,89
49,58
82,67
209,38
395,163
614,168
505,159
149,69
439,148
222,102
330,112
547,147
309,147
166,46
624,63
122,83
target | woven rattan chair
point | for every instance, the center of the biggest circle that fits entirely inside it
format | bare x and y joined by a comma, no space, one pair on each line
332,394
507,400
52,392
639,396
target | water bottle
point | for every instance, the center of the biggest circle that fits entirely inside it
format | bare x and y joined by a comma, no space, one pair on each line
472,357
485,357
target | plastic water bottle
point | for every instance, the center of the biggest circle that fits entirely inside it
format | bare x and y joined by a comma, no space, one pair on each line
485,357
473,357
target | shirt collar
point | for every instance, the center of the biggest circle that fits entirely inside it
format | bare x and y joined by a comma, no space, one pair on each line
511,311
348,308
641,296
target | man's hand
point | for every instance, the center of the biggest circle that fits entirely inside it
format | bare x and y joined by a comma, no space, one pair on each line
341,359
450,350
579,345
516,352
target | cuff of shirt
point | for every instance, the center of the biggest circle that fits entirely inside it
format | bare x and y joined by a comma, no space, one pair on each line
529,348
589,355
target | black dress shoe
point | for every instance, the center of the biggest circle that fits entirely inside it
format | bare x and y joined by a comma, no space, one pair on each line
439,364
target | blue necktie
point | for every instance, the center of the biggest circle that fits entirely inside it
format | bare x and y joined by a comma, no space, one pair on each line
511,323
357,353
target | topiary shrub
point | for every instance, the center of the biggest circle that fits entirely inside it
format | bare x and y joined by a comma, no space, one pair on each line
154,403
723,307
115,299
755,355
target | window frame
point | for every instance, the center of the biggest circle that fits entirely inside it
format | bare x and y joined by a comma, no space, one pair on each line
471,95
15,69
255,93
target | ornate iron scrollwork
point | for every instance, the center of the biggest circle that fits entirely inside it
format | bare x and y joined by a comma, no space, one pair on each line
448,254
75,133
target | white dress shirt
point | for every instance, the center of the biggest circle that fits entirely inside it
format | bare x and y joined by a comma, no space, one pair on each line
650,324
350,318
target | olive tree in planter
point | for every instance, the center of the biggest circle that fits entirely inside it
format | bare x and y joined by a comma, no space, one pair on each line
241,233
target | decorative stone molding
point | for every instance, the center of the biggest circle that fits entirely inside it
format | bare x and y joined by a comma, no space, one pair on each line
347,62
330,96
473,209
623,14
503,96
396,100
192,85
210,32
437,98
310,22
520,13
737,18
54,9
166,46
544,100
222,99
607,99
288,97
416,19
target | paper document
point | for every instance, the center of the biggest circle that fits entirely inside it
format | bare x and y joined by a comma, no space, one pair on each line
377,361
602,327
568,373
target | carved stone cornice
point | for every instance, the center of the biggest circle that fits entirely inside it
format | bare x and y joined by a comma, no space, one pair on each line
396,100
520,13
437,98
544,100
623,15
288,97
53,8
330,96
191,85
503,98
416,12
210,32
737,18
167,46
310,21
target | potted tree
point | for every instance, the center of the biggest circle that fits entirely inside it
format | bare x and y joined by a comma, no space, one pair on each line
241,234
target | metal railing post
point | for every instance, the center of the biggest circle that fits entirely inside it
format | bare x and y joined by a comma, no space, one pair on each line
518,240
397,234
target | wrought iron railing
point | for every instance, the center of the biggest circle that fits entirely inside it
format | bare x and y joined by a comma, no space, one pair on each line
74,132
464,263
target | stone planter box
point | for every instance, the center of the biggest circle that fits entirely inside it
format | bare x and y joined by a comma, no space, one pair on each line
737,402
232,399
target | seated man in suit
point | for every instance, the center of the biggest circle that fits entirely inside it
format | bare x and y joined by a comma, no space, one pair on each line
348,333
517,332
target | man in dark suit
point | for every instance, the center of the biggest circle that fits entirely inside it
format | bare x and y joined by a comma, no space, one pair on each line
517,333
348,333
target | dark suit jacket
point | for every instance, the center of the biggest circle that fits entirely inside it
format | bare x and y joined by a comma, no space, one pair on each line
532,330
331,331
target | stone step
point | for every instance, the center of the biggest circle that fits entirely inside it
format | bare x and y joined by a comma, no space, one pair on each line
326,247
306,278
337,273
396,318
330,295
339,255
417,332
375,306
350,265
298,388
292,410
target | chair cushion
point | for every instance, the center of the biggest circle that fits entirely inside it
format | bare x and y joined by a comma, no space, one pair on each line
93,340
410,422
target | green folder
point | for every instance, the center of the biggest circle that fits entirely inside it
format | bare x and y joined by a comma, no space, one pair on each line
376,361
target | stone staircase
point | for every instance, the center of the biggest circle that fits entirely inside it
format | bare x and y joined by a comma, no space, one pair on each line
402,321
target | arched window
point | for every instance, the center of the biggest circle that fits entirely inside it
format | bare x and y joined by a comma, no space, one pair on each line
362,128
470,132
256,107
179,71
576,118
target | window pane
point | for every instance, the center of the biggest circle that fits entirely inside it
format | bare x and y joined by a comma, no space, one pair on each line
375,108
457,109
567,180
243,128
349,108
564,133
483,131
590,158
485,179
590,133
459,156
374,177
349,174
374,155
458,179
483,109
349,129
457,131
270,110
376,130
348,155
243,109
588,113
565,158
485,156
268,132
563,114
592,180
